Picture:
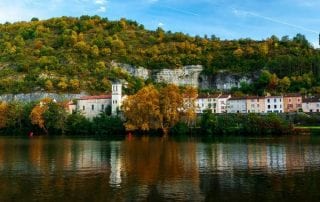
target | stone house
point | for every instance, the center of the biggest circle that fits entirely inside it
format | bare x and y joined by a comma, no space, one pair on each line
92,106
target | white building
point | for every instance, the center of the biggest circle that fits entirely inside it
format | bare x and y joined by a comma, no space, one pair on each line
206,102
311,104
222,103
274,104
92,106
116,98
237,105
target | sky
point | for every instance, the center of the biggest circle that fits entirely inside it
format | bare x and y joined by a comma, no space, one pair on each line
227,19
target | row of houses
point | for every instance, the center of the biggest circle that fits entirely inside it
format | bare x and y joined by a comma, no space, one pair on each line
257,104
92,106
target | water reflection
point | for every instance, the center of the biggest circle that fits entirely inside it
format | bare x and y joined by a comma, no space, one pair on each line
147,168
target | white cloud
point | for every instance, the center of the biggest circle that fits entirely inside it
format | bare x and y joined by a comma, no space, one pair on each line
160,24
100,2
102,9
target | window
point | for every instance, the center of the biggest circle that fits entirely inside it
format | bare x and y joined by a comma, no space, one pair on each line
83,107
274,100
289,100
275,106
102,107
92,107
269,107
280,106
258,105
310,110
268,100
317,110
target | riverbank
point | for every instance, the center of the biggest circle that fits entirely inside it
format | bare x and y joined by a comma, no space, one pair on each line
52,119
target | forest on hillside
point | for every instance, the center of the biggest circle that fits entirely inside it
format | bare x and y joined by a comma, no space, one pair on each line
69,54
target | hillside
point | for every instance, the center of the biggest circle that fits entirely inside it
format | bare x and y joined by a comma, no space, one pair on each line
74,54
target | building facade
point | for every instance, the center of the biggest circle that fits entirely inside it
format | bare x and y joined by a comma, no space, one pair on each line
311,104
222,103
274,104
237,105
92,106
255,104
206,102
292,102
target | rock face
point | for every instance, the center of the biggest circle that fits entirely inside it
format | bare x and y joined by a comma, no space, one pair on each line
29,97
225,81
187,75
139,72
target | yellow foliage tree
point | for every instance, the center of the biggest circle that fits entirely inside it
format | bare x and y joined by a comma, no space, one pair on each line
142,110
171,104
189,109
36,115
3,114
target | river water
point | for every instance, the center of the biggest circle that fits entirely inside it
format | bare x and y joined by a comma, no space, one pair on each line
160,169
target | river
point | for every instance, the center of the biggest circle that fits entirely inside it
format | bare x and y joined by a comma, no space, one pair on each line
160,169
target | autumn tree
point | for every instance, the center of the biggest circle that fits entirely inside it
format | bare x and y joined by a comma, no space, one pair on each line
142,110
171,104
3,114
190,95
49,116
37,114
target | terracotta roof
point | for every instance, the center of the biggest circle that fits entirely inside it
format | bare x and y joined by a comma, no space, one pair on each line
255,97
95,97
208,96
274,96
292,95
224,96
238,98
311,99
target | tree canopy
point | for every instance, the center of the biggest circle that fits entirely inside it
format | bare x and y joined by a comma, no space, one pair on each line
70,54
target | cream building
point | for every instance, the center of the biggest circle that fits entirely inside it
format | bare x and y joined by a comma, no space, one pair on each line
255,104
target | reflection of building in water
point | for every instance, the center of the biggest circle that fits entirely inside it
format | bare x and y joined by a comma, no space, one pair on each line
276,157
257,156
294,158
232,156
115,163
87,156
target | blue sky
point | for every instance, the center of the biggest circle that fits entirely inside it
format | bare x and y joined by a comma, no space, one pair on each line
227,19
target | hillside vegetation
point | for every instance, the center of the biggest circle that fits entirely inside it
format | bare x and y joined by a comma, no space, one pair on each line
70,54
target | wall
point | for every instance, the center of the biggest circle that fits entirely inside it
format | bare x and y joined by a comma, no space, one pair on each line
29,97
